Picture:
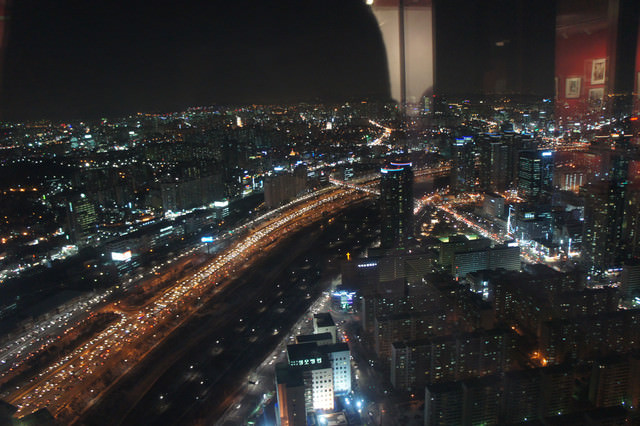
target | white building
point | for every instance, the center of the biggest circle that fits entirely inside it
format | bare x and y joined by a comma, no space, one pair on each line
340,359
321,389
323,323
315,368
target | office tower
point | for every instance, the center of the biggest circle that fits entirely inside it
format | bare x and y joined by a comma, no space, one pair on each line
611,230
463,167
396,204
317,375
495,167
604,231
630,286
317,370
632,212
340,359
407,32
535,175
498,257
360,275
82,219
493,206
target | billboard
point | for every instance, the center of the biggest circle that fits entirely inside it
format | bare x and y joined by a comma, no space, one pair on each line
121,256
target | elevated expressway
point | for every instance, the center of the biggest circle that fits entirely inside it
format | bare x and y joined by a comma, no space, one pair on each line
71,383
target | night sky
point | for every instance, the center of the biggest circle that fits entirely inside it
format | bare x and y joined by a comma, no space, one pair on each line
80,59
496,46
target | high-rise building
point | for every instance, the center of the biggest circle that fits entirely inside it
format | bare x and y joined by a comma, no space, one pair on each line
499,257
610,382
603,240
535,175
495,167
636,101
82,218
463,167
558,383
290,396
522,395
630,286
317,370
396,204
481,401
493,206
317,375
470,402
405,326
443,404
340,359
453,244
416,363
281,188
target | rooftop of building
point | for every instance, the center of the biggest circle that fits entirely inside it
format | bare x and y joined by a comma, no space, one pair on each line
493,195
335,419
303,351
287,375
458,238
307,338
335,347
324,319
450,337
410,315
492,380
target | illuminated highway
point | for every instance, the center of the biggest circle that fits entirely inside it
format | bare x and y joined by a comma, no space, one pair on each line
448,208
527,253
73,381
370,182
385,134
21,346
67,386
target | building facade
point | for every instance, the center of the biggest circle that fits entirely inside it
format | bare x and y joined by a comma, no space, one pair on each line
396,204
